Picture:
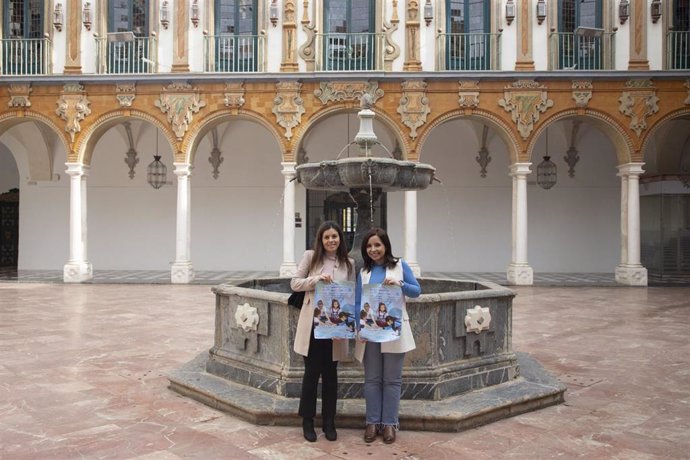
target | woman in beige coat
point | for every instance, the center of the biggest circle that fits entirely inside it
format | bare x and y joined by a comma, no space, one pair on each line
327,262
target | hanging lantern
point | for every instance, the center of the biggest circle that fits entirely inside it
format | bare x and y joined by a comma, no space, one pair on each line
546,171
156,173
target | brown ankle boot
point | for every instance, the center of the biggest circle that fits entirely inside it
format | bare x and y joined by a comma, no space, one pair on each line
370,433
389,434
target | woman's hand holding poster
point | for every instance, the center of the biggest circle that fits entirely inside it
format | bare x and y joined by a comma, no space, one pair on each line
334,311
380,316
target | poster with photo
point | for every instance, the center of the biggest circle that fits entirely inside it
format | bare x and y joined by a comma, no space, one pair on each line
380,315
334,310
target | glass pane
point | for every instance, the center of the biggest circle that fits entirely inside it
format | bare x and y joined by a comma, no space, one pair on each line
139,18
246,17
337,17
456,16
588,13
226,17
15,27
360,16
567,16
681,15
476,14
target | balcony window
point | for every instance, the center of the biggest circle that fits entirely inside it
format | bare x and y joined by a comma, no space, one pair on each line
235,46
467,40
580,39
679,37
349,42
24,50
128,47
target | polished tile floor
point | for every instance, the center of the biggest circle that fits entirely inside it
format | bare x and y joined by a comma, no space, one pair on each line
82,375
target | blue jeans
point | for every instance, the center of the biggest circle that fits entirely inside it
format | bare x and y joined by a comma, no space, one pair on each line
382,382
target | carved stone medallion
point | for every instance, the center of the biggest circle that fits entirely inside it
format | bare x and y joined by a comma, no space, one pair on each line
638,104
73,107
468,96
414,105
347,91
125,94
525,100
19,95
582,92
477,319
246,317
234,95
180,101
288,106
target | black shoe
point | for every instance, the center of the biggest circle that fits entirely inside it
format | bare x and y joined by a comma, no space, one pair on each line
308,429
329,430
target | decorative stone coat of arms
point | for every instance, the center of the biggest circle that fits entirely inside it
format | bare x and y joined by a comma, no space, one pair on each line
180,101
468,96
477,319
582,92
414,105
288,106
347,91
234,95
19,95
73,107
639,103
125,94
246,317
525,100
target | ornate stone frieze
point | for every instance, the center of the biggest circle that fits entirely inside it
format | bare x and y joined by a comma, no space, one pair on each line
477,319
582,92
19,95
234,95
414,105
639,103
73,107
288,106
180,101
337,91
391,49
468,96
125,94
525,100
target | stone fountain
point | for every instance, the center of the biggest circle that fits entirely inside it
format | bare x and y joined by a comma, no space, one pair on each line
462,374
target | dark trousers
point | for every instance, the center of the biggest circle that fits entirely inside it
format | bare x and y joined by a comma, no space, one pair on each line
319,363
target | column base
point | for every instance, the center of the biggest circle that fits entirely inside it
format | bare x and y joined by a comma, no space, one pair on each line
288,269
520,275
182,273
631,275
77,272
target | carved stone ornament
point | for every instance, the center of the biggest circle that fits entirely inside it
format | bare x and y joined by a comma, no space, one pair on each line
234,95
288,106
391,50
19,95
414,105
687,85
125,94
582,92
73,107
638,104
247,318
477,319
180,101
468,96
347,91
525,100
306,50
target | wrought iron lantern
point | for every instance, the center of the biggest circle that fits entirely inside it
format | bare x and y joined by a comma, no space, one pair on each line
510,12
273,13
541,11
165,15
86,17
428,12
195,13
58,17
623,11
546,171
656,10
157,172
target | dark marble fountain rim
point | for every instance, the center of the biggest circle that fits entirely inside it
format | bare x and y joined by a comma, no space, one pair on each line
349,160
490,290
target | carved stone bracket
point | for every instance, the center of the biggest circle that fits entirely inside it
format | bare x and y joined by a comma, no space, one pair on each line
73,107
180,101
391,48
468,96
347,91
687,85
306,50
414,105
234,95
125,94
525,100
249,321
288,106
582,92
19,95
638,104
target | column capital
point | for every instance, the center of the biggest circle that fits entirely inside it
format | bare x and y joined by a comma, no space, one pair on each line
183,169
288,168
520,169
630,169
76,169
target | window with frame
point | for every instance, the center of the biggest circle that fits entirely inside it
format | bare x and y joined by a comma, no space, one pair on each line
679,37
349,37
579,43
23,48
236,38
128,43
468,42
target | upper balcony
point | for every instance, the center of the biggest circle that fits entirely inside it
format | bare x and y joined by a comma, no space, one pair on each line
125,53
234,53
585,49
25,56
467,52
342,52
678,48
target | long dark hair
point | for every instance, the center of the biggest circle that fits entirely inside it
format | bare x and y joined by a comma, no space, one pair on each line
320,251
389,260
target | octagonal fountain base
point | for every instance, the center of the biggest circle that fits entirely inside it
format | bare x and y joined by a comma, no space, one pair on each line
460,375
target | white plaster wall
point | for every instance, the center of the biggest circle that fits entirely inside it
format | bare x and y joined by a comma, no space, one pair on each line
655,43
540,39
9,174
508,51
622,40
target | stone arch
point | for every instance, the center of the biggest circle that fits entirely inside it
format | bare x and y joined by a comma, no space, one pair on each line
192,139
343,108
90,136
505,131
11,119
685,111
616,134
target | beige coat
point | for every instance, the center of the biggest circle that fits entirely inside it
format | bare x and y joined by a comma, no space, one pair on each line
406,341
303,281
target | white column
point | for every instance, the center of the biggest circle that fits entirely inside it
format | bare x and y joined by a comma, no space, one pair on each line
182,271
631,271
519,272
288,267
77,269
410,232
